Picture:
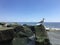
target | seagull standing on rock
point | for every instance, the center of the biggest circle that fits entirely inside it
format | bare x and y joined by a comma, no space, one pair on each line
41,22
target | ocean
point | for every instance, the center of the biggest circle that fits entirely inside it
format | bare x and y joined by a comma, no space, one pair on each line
47,24
52,24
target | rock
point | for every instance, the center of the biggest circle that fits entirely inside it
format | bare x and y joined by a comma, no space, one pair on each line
18,28
41,35
23,34
6,35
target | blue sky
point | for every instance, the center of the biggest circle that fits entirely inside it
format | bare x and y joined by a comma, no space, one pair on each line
29,10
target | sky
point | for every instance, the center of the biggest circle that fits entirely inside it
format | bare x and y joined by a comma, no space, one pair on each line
29,10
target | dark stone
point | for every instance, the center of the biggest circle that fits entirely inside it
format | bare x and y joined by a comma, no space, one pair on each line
7,42
47,42
39,43
6,36
32,28
41,34
18,28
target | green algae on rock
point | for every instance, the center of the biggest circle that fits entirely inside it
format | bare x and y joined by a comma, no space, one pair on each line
41,35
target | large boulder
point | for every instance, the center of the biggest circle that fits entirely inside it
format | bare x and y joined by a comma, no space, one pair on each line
6,35
22,35
41,35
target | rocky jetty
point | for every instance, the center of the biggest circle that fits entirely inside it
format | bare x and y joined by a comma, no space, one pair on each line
23,35
41,37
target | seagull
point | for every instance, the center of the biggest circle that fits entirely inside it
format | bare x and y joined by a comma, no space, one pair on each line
41,22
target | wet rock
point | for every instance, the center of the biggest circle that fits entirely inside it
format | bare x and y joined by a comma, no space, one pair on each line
18,28
6,35
41,35
22,35
32,28
47,42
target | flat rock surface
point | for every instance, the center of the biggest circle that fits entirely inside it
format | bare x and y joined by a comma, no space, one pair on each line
5,28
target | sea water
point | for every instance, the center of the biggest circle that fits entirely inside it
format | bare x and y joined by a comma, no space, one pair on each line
47,24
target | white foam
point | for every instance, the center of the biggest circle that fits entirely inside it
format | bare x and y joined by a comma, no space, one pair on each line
38,24
52,28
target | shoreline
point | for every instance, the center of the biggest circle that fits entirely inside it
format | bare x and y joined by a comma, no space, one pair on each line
52,29
54,37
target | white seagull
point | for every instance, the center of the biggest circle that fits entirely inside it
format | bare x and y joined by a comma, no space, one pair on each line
41,22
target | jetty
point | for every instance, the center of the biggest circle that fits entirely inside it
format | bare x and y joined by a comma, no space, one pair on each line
23,35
